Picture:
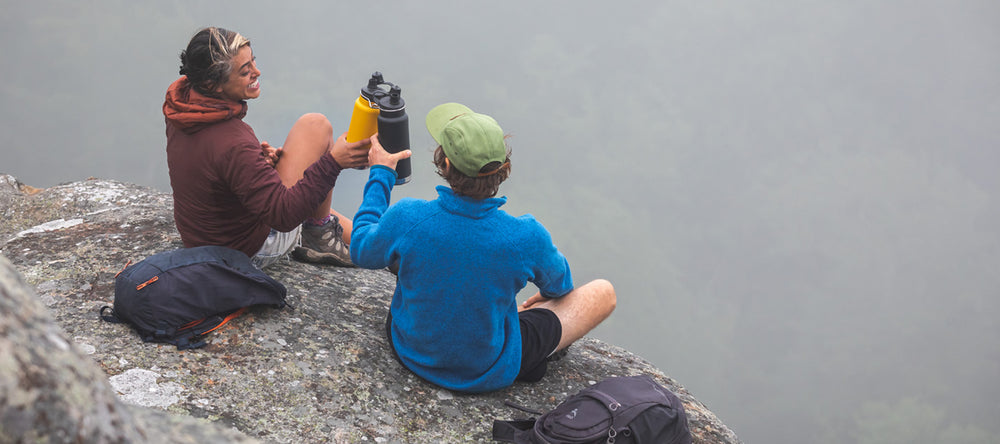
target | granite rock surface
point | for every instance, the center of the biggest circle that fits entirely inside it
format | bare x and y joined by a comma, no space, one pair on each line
318,371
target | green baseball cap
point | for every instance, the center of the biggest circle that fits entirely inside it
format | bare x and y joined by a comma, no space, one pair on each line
469,140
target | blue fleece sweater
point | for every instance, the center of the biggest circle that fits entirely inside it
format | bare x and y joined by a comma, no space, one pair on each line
462,262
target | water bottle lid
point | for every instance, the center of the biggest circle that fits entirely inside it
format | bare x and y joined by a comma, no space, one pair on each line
393,101
372,89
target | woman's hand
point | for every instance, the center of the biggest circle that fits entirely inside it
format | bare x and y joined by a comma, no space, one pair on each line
377,155
349,154
271,154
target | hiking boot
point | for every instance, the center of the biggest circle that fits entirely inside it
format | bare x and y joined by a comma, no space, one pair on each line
324,244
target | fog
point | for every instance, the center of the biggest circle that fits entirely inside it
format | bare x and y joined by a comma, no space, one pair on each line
796,200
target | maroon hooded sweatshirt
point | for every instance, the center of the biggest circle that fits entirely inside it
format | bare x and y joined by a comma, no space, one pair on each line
225,193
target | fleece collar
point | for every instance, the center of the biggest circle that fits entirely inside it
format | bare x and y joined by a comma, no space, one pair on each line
467,206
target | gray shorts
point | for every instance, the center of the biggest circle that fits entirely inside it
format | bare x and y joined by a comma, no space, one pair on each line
277,246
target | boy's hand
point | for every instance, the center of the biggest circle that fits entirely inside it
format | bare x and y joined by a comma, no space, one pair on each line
533,302
377,155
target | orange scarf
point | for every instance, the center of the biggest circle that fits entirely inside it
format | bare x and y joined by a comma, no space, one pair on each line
188,108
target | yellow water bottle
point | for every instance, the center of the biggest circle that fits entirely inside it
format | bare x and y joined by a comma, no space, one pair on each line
364,119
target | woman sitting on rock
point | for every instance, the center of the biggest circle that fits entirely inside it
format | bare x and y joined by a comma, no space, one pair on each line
232,190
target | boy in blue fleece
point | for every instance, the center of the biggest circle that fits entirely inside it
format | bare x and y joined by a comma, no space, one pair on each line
454,319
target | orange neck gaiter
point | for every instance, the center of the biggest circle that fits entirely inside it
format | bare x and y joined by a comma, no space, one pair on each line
189,109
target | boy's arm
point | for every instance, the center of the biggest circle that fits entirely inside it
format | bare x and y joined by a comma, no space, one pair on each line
552,274
553,279
369,248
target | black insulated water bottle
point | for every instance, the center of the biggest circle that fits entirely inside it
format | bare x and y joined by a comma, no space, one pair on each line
394,130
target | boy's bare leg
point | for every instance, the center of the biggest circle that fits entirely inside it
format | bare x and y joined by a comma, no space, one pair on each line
580,310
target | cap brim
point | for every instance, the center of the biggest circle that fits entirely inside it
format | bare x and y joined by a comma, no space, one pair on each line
440,115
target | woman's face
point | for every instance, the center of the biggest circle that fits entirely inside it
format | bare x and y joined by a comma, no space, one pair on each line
243,82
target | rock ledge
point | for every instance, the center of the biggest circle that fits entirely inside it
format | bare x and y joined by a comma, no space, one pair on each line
320,372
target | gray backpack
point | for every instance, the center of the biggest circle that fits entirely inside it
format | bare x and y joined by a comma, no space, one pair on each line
631,409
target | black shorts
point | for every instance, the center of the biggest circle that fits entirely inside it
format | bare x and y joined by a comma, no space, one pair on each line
540,334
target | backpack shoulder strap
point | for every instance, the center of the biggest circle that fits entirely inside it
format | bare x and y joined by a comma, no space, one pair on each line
112,318
228,318
621,415
508,431
628,397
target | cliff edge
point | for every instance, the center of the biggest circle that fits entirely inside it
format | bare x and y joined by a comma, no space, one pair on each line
318,372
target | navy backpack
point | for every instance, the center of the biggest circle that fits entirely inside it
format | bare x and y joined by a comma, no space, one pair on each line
178,297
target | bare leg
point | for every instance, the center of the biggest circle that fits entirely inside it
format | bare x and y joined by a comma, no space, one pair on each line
580,310
308,140
345,222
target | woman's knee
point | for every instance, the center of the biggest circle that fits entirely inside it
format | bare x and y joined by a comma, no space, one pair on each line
310,136
315,122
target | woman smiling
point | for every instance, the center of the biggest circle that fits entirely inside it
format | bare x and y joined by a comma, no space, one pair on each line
231,189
